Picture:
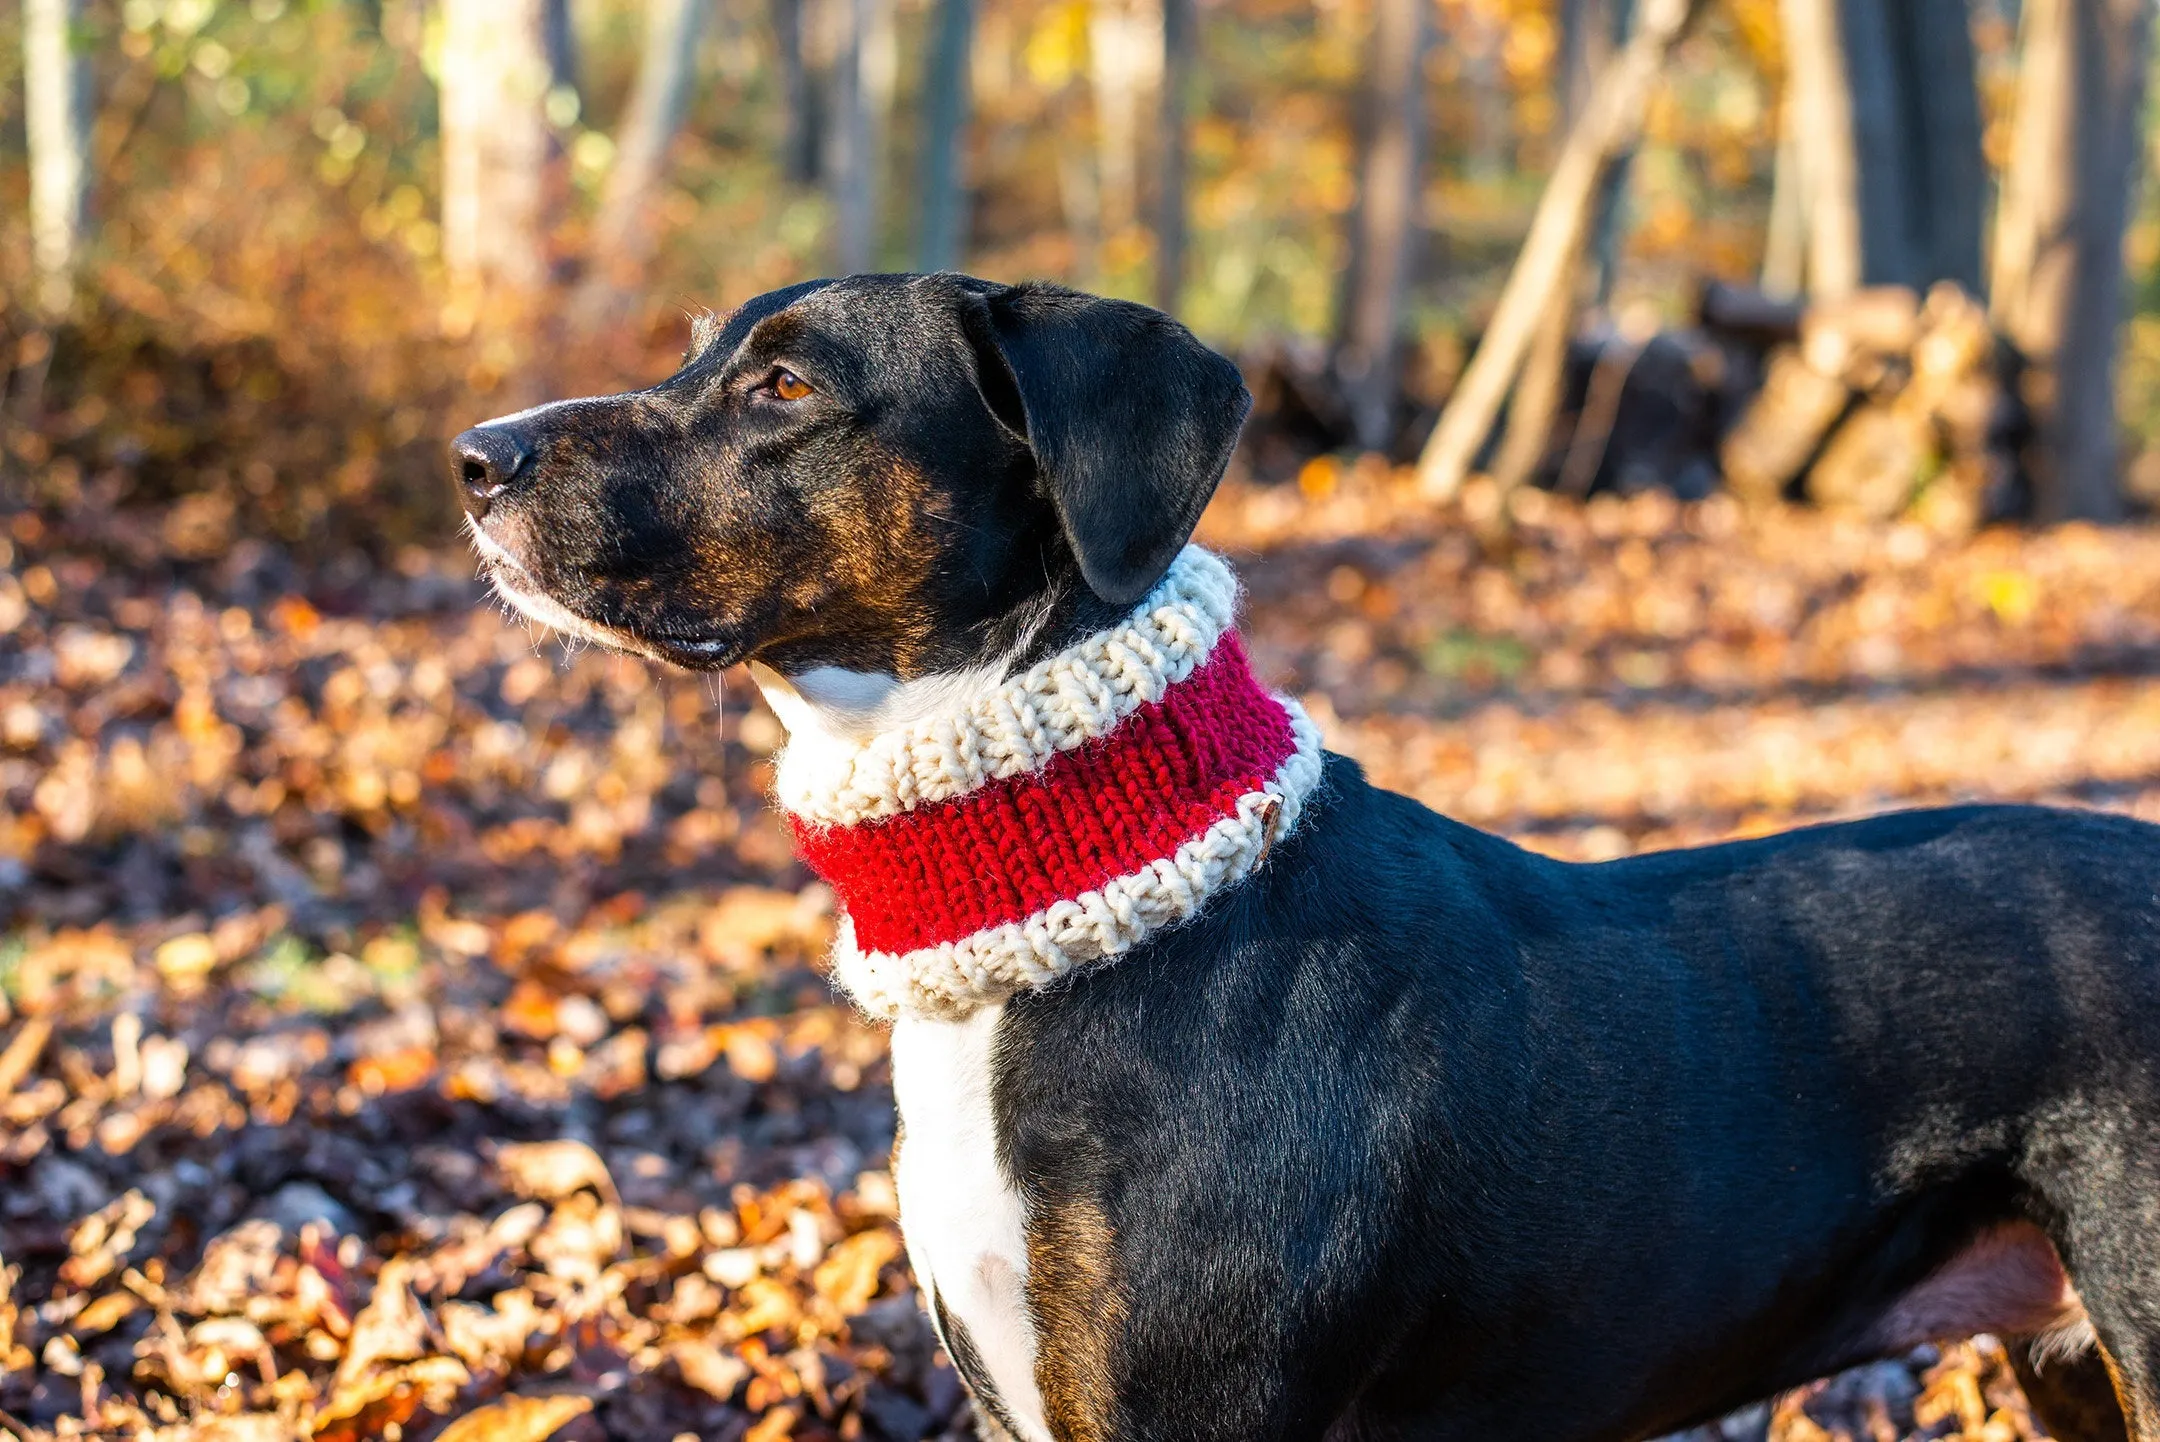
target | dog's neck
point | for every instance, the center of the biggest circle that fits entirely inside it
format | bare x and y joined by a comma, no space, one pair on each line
994,829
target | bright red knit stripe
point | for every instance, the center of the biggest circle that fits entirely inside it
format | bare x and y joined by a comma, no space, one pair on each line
1010,848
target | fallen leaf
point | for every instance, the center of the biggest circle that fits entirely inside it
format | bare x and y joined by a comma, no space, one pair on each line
23,1050
848,1277
516,1419
362,1411
716,1373
390,1328
105,1313
553,1170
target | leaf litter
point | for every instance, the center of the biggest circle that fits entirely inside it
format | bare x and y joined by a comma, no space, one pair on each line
408,1032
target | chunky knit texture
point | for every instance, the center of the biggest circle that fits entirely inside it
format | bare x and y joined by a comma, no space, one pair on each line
1013,877
1013,728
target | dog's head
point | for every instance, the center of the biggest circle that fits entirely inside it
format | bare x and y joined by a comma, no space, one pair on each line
896,475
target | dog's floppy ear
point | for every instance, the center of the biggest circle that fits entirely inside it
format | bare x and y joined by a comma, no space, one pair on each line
1131,421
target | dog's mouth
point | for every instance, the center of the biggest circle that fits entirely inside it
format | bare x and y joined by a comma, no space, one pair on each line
523,593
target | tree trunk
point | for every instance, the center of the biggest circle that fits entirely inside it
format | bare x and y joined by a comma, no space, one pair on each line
1123,61
1883,117
1608,127
862,104
1883,192
1181,74
56,84
495,150
947,91
562,48
1940,123
2058,267
800,147
1818,114
1784,262
1079,193
1384,222
624,233
1587,40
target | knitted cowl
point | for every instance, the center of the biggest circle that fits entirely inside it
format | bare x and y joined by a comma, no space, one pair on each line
1058,817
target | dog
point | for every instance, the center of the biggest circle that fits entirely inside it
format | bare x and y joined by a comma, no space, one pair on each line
1241,1099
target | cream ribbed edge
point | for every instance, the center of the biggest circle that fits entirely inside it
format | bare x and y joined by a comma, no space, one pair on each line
954,978
1056,705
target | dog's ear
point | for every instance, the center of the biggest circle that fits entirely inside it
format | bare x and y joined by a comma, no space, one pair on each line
1131,421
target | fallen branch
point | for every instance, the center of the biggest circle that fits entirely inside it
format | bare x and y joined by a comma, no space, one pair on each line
1609,125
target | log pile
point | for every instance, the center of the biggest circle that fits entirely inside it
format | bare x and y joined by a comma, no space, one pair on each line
1885,402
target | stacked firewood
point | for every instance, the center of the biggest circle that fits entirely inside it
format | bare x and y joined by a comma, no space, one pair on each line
1885,403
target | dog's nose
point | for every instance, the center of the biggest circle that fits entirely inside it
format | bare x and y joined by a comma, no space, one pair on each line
486,459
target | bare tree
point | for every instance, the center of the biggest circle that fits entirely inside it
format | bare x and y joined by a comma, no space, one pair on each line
1818,115
1124,61
56,84
1180,76
560,37
1384,221
799,143
1589,32
2058,268
1784,262
863,77
946,91
623,232
1882,117
495,147
1941,133
1608,126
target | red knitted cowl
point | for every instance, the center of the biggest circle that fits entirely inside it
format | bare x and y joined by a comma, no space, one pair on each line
1001,881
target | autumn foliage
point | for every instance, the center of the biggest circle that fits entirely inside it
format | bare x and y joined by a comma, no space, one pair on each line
409,1023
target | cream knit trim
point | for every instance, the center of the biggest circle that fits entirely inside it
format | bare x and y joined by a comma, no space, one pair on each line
954,978
1056,705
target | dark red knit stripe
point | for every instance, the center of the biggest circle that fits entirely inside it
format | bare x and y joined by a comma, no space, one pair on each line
1010,848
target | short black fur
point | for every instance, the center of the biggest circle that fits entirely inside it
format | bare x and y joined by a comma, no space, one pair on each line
1413,1134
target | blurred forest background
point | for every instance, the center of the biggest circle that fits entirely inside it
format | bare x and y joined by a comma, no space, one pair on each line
1676,419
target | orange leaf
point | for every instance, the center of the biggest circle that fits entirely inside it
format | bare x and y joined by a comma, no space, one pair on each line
517,1419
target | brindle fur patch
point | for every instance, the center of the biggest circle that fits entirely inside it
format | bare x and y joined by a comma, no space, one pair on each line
1078,1308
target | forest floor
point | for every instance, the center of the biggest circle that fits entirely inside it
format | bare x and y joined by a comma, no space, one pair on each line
411,1030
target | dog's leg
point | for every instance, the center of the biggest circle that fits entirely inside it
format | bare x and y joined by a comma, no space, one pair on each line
2073,1397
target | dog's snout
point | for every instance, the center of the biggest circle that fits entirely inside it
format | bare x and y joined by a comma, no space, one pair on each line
486,459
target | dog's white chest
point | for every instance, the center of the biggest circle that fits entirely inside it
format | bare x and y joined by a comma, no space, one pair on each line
963,1219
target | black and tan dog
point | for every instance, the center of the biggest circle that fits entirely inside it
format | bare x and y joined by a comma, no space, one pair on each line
1405,1132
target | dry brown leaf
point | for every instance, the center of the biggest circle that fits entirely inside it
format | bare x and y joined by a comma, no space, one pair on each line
105,1313
365,1409
23,1050
848,1277
392,1327
553,1170
766,1304
517,1419
493,1338
709,1369
257,1428
774,1425
105,1236
1953,1396
393,1071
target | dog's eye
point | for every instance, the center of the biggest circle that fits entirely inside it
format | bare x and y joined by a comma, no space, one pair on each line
787,385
